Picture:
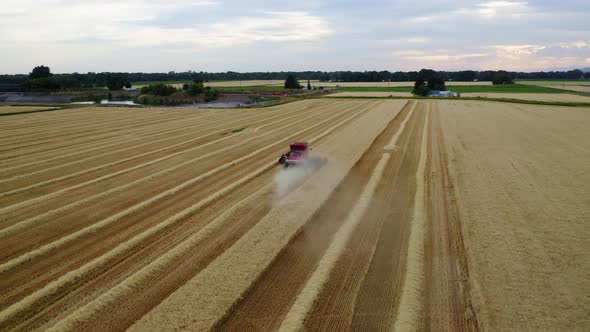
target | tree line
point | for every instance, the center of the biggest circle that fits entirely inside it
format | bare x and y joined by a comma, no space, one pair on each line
114,81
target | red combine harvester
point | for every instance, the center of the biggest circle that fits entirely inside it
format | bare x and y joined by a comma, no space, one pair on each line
296,155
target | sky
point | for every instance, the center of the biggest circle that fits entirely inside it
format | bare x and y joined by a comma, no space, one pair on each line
245,36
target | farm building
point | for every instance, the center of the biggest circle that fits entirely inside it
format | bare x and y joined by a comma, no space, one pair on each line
439,93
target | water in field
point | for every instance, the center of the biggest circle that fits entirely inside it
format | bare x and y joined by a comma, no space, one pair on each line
117,102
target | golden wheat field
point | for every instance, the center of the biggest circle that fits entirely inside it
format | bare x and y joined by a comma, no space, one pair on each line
418,215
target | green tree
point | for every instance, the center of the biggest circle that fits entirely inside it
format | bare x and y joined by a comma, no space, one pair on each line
210,94
427,80
420,87
158,89
117,81
40,72
292,83
502,77
41,80
193,89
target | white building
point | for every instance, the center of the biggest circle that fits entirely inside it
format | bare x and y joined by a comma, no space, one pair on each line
439,93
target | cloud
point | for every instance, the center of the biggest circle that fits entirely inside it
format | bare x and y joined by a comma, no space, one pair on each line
445,57
409,53
411,40
220,35
493,9
516,51
421,19
242,30
138,24
576,44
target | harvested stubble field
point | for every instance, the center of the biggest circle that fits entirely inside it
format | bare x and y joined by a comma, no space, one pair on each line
166,219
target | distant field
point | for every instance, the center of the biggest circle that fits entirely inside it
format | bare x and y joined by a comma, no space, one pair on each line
547,97
511,88
370,94
571,85
522,86
244,83
514,88
553,82
578,88
251,87
272,84
562,99
140,84
383,84
215,84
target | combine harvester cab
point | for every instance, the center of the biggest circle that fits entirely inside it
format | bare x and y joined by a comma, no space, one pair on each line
296,155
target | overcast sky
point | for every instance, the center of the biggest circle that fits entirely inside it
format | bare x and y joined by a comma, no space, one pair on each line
217,35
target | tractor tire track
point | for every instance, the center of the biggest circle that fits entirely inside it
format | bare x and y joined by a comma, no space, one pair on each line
270,298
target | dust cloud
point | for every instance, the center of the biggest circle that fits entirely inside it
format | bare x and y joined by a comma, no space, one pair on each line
287,179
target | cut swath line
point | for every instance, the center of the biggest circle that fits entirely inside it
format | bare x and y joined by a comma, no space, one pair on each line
304,301
392,142
71,277
80,134
105,222
32,221
75,275
159,265
223,119
138,135
410,307
91,125
110,175
41,147
109,164
121,160
144,131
